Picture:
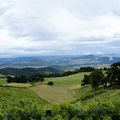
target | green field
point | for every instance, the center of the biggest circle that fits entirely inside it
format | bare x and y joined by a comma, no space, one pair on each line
87,95
2,81
63,89
26,100
69,80
55,94
13,97
21,85
61,92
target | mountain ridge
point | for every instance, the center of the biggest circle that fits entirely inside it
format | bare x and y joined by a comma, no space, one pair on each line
62,62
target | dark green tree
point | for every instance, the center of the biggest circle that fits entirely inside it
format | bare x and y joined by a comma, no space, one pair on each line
50,83
113,75
97,78
86,80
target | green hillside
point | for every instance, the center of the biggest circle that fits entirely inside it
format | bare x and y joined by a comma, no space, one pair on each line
2,81
66,99
72,79
63,89
18,98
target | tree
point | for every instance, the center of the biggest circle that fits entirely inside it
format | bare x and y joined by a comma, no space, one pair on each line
10,79
87,69
36,78
86,80
20,79
97,78
113,75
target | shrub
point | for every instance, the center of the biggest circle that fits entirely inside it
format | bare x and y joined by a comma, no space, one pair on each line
50,83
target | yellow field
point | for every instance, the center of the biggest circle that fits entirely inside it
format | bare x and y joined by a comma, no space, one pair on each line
56,94
26,85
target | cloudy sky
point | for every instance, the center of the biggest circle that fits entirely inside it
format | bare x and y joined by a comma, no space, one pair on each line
59,27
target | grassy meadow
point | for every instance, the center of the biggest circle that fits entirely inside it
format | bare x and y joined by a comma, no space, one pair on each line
63,89
68,80
20,104
66,95
3,81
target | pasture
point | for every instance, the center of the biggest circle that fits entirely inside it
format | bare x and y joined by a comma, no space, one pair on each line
69,80
63,89
3,81
21,85
11,97
31,100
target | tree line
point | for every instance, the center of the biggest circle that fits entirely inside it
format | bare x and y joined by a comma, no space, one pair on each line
24,79
38,77
109,79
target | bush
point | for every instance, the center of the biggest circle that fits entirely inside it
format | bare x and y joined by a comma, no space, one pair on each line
24,110
50,83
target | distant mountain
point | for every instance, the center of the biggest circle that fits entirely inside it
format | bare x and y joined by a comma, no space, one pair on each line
59,62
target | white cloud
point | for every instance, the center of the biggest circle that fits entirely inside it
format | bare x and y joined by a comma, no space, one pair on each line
59,25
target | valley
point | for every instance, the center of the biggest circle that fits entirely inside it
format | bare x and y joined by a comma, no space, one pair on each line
65,96
60,62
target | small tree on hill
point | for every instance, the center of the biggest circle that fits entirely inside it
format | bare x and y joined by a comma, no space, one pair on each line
97,78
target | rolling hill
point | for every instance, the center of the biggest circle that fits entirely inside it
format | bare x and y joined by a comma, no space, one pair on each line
59,62
30,71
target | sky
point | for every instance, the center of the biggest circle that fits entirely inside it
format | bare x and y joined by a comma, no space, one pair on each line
59,27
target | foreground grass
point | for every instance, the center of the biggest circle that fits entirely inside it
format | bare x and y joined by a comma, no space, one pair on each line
10,97
87,96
